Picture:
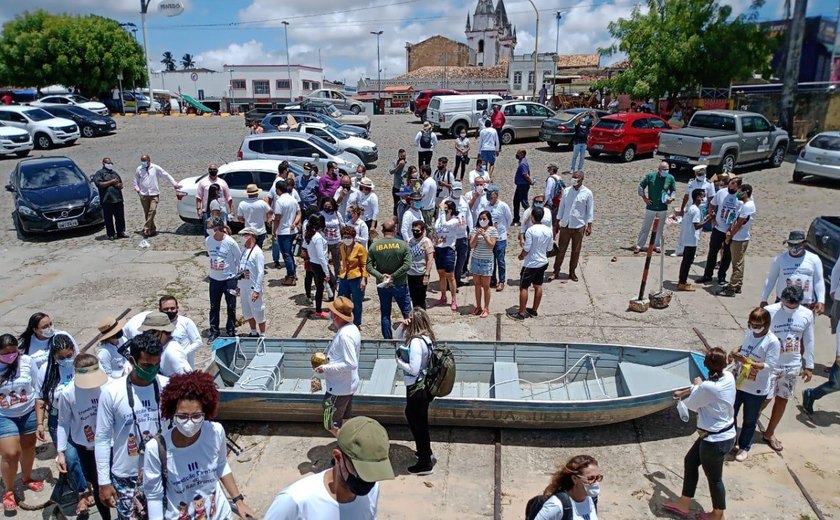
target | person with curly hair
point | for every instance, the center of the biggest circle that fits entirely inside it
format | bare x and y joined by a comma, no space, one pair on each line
127,414
18,377
195,449
572,493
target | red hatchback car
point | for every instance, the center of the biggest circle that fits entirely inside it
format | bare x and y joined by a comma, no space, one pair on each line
626,135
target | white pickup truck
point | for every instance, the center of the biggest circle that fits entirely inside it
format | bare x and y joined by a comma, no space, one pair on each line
723,139
364,149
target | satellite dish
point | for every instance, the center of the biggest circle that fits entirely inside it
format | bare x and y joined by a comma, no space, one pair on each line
170,7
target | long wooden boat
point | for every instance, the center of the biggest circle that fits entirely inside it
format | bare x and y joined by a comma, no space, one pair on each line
498,384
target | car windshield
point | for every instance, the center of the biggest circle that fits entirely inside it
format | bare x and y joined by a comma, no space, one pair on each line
327,120
327,147
38,114
336,133
79,111
332,111
826,142
50,175
566,116
610,124
78,99
712,122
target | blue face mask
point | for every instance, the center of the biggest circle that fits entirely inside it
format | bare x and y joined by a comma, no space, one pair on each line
144,164
418,204
65,368
538,204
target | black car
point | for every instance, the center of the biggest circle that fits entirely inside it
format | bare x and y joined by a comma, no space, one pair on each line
90,123
52,194
823,239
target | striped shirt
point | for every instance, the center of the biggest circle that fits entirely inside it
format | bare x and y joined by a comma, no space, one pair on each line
482,251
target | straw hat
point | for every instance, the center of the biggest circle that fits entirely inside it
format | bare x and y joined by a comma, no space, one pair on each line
109,326
342,307
366,183
252,189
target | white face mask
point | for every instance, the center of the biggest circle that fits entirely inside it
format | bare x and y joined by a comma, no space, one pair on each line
592,490
757,330
483,222
347,241
109,166
189,427
48,332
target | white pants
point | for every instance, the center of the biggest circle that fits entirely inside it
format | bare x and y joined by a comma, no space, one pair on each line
251,309
644,234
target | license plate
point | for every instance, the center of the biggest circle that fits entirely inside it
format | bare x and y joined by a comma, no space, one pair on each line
597,146
678,158
64,224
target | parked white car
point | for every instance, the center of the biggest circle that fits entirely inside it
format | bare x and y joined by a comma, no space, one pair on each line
46,130
238,175
297,148
364,149
15,141
75,100
451,114
819,157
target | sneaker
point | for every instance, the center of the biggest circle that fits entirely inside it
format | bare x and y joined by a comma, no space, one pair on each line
673,255
742,455
213,337
727,291
515,315
422,468
531,312
288,282
807,402
722,281
686,287
704,279
253,334
323,315
277,265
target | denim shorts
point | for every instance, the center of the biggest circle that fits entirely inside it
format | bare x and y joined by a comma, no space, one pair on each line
488,156
18,426
481,267
445,259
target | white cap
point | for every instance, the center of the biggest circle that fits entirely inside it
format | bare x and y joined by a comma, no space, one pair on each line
700,168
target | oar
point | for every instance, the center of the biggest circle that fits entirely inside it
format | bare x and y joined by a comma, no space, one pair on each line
702,339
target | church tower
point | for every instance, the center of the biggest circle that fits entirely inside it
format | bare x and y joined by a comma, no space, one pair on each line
490,36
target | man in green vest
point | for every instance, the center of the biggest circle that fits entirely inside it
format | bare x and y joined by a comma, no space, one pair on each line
657,191
389,260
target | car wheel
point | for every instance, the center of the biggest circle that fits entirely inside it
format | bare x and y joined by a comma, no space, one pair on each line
728,163
507,137
19,226
43,141
778,156
594,153
629,153
356,109
798,176
423,116
553,144
88,131
458,127
22,154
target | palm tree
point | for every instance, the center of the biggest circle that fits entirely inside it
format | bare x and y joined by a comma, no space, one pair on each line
187,61
168,61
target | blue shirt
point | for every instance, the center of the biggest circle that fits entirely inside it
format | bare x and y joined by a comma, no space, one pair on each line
521,171
307,188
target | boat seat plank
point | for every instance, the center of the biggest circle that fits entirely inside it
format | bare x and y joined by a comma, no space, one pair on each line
457,389
382,379
578,391
288,385
506,379
262,373
644,379
470,390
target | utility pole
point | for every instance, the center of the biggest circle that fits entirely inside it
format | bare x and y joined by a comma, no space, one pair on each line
559,16
144,8
378,67
288,60
536,50
794,54
232,100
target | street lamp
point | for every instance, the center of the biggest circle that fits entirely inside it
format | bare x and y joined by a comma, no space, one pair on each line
556,59
378,67
144,8
288,61
232,104
536,50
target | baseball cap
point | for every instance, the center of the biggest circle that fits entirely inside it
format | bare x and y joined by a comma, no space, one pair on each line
404,190
493,188
366,443
457,186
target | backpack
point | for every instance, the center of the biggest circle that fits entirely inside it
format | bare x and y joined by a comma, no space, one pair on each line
554,196
425,139
440,374
535,505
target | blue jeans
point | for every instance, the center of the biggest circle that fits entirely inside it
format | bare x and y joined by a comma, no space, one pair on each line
830,386
398,293
578,154
71,456
285,246
752,408
353,289
499,262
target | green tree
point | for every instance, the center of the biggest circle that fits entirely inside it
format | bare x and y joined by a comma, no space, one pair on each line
187,61
680,45
168,61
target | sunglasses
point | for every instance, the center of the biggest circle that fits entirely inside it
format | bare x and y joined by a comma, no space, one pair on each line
591,480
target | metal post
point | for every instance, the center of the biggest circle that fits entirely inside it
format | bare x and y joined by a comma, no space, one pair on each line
288,61
791,78
122,101
144,7
536,50
232,100
378,67
556,57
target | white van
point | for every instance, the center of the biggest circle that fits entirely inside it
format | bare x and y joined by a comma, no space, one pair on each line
455,113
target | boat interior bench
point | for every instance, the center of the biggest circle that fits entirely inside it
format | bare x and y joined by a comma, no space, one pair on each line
506,380
644,379
382,378
262,373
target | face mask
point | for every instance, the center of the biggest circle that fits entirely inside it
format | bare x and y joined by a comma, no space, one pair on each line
174,314
65,363
663,173
417,233
483,222
757,330
147,375
144,164
188,427
456,194
701,178
418,204
48,332
538,204
347,241
358,486
463,136
307,174
8,359
328,210
796,250
592,490
739,195
109,166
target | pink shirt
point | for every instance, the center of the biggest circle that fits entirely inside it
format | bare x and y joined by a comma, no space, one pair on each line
204,186
327,186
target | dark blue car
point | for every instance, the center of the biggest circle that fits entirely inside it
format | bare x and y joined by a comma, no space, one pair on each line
90,123
52,194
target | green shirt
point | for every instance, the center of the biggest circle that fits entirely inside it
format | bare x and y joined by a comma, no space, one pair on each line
659,189
389,256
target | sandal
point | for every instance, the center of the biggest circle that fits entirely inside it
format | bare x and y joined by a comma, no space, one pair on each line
454,306
484,313
84,503
9,502
34,485
476,311
553,276
500,287
674,509
774,443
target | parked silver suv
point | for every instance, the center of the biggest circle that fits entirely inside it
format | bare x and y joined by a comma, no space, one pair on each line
296,148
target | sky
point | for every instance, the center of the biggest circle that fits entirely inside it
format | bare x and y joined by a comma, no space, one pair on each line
337,34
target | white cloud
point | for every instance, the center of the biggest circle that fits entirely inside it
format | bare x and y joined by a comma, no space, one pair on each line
248,53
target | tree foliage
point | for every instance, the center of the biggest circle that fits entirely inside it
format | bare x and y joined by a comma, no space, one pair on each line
685,44
187,61
168,61
88,52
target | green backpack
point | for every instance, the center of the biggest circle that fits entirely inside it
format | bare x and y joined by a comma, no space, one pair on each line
440,374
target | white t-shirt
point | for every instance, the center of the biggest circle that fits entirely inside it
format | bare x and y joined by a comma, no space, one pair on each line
174,360
332,227
224,257
446,231
689,235
527,222
117,437
474,174
488,140
341,374
193,490
362,233
795,330
787,270
132,326
254,211
727,209
308,499
446,177
252,261
411,216
368,202
747,211
18,393
186,333
714,402
286,207
538,240
111,361
432,144
77,416
553,510
763,350
39,349
462,142
429,193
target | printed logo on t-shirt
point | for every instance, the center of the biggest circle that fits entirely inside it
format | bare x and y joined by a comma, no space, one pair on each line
90,435
791,344
801,280
131,446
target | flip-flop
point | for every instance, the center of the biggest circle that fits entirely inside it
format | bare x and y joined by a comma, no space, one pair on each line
672,508
34,485
9,501
774,444
702,515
